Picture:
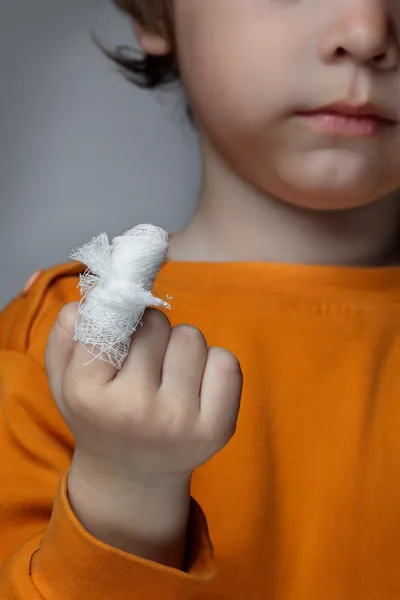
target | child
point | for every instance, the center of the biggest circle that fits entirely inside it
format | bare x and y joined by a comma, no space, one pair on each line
154,485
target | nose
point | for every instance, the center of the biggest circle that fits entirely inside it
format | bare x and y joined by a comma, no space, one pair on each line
363,31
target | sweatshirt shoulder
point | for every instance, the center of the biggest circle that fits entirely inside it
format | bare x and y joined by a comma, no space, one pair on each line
26,321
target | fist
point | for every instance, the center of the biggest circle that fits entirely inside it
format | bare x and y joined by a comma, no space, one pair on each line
172,406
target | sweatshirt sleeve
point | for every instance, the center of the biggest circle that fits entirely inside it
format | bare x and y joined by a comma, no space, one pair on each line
45,553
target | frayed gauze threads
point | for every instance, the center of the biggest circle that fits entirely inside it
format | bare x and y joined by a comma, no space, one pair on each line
116,289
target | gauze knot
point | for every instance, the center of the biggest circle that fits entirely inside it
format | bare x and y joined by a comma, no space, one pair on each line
123,295
116,289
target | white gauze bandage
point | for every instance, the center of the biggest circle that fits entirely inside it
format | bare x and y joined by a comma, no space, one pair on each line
116,289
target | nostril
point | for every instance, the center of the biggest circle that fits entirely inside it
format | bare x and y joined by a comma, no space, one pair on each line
340,51
380,58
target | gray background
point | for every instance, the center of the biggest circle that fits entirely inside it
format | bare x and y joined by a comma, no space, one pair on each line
82,151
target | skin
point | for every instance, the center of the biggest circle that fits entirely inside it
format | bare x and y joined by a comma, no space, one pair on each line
273,188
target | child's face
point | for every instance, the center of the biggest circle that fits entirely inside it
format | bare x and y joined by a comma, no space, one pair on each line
250,66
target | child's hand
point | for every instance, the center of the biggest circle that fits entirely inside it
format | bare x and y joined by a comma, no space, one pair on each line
172,406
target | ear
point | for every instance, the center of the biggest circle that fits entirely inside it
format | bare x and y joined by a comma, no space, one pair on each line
152,42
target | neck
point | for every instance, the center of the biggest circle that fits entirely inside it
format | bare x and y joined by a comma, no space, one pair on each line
235,222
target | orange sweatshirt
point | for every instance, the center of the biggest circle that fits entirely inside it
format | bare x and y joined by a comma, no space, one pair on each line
303,503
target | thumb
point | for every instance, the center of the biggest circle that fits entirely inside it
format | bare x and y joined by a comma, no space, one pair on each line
60,346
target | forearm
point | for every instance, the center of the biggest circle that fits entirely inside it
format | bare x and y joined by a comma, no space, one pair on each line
146,521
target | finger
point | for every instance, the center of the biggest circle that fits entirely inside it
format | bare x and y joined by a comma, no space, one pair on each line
184,362
143,364
221,392
60,346
87,367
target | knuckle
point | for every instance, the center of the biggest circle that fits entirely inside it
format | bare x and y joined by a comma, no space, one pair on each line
220,434
155,324
157,319
143,392
140,415
67,316
175,428
77,393
188,334
224,358
179,415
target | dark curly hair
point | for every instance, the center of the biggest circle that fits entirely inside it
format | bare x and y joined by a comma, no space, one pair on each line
145,70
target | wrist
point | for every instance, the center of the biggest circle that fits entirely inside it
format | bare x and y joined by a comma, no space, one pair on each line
103,477
122,513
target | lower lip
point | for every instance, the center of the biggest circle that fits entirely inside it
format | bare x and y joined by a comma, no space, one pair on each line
349,126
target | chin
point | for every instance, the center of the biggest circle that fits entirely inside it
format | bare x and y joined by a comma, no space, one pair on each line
327,198
339,185
330,202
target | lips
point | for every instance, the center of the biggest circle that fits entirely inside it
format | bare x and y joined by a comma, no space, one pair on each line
344,119
344,125
345,116
344,109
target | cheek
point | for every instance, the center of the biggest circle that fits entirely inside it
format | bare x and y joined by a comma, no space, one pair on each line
236,88
227,80
222,97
